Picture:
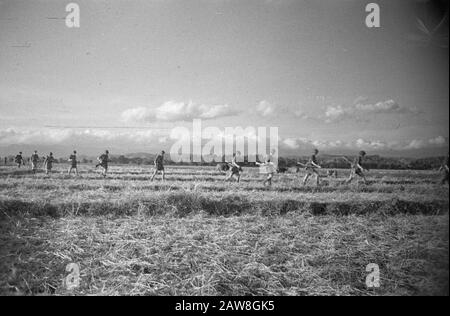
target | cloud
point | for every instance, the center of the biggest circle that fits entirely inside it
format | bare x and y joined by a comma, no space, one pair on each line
172,111
266,109
291,143
359,111
389,106
303,143
217,111
358,144
416,144
140,114
362,111
178,111
84,136
334,113
142,138
438,141
301,115
371,144
360,99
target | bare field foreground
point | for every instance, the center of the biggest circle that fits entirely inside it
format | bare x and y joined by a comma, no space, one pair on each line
196,235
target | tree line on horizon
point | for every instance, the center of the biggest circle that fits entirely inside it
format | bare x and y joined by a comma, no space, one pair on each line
329,162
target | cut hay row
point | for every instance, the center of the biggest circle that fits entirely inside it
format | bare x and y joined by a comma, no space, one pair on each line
56,185
244,180
117,171
181,204
247,172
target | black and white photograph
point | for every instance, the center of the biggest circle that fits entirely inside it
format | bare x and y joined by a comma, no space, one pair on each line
224,155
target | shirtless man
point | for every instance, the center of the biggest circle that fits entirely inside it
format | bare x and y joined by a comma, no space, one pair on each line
235,169
357,168
269,169
103,162
311,168
19,160
159,165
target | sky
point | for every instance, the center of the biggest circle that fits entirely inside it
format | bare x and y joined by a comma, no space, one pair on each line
134,70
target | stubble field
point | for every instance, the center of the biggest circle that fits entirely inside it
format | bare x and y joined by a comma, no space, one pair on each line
196,235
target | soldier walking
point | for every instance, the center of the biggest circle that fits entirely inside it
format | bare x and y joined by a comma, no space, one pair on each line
73,163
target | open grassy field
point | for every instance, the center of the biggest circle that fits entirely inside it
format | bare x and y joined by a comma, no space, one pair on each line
196,235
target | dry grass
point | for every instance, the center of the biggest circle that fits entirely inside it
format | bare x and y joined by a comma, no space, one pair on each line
195,235
209,255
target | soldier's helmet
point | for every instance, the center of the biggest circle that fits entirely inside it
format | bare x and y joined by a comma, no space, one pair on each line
74,151
316,151
362,153
163,152
107,151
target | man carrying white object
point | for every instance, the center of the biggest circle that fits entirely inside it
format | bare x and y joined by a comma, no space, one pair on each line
34,161
268,168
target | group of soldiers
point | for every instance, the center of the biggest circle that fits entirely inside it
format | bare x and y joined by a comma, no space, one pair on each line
311,168
357,170
103,160
232,167
47,162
